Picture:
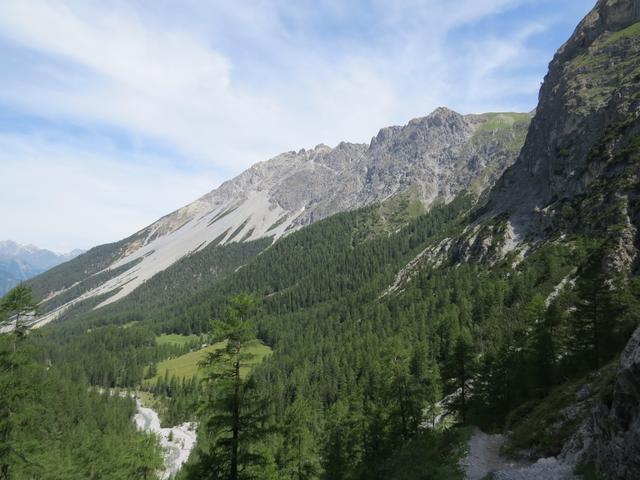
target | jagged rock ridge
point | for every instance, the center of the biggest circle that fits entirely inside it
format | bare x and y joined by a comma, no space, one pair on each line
577,171
437,156
586,120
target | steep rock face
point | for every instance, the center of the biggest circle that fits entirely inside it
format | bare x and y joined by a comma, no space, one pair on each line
610,438
617,448
437,156
577,172
592,87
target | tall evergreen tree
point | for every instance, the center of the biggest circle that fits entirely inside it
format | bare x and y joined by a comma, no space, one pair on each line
426,387
595,318
300,432
17,304
232,412
462,365
543,349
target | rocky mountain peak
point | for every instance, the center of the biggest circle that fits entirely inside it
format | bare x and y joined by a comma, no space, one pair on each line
436,123
441,116
429,158
591,89
606,16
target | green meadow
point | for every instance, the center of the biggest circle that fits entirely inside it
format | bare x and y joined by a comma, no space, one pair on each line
186,366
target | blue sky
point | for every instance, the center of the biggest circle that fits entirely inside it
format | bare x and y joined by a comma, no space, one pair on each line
113,113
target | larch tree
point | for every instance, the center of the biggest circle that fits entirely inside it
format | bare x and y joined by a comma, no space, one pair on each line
17,304
232,412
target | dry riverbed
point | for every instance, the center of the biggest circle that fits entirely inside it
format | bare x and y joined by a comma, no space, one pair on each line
177,442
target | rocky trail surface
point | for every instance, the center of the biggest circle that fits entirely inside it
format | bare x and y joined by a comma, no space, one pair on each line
484,458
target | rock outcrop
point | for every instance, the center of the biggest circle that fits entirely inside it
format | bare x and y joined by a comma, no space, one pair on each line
610,438
583,141
440,155
434,157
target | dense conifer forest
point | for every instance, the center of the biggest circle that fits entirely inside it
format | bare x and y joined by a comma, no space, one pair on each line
372,344
358,373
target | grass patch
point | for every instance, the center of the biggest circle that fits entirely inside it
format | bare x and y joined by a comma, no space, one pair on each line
399,210
506,130
174,339
629,32
586,60
501,121
186,366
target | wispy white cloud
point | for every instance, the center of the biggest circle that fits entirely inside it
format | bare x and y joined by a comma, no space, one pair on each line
164,81
217,86
68,196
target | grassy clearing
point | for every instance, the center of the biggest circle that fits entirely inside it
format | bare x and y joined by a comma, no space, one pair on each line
186,366
629,32
502,121
174,339
399,210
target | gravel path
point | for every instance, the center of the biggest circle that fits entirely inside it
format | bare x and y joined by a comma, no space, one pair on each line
543,469
484,458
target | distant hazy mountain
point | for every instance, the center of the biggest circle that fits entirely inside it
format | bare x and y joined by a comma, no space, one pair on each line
21,262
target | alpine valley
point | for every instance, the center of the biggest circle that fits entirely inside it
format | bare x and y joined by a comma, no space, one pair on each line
459,298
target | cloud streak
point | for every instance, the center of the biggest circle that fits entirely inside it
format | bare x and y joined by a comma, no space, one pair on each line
80,197
192,90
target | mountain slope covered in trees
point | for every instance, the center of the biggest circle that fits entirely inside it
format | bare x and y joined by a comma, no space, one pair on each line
430,159
394,329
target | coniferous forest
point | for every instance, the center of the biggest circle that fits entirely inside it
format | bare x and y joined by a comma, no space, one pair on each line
380,342
355,383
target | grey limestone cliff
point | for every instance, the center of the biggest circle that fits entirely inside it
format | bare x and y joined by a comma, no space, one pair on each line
434,157
586,126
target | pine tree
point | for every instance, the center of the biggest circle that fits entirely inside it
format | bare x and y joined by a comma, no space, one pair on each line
426,383
343,446
232,411
595,318
300,432
18,303
543,349
463,369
